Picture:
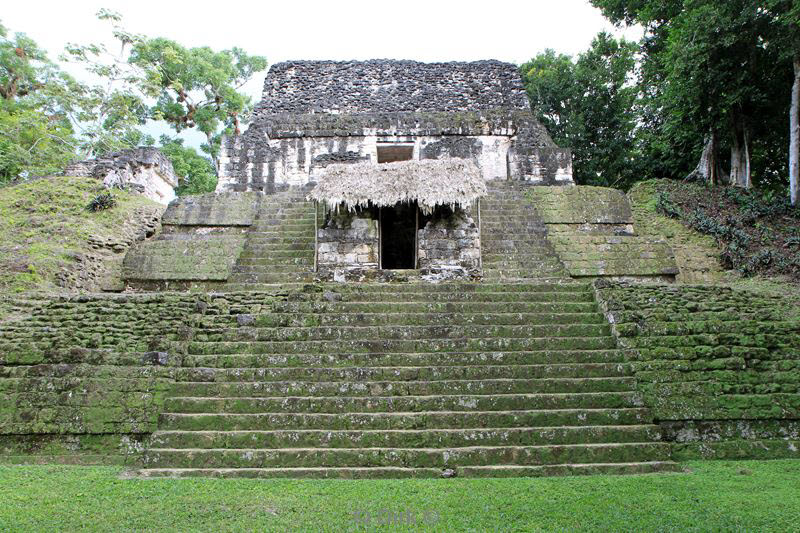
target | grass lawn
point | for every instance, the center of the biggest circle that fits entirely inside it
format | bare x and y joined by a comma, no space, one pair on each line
715,496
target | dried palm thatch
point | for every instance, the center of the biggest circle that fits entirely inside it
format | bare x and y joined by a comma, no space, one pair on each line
429,182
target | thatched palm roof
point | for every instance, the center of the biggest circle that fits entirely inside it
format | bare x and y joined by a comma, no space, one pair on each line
429,182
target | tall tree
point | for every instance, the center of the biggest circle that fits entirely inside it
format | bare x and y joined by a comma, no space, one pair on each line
723,77
587,105
35,136
787,16
159,79
197,87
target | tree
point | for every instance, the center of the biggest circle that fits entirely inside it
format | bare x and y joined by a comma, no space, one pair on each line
723,75
587,105
196,87
107,115
31,143
787,15
196,172
35,136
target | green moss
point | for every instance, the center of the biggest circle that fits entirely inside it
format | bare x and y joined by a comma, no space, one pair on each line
696,254
45,225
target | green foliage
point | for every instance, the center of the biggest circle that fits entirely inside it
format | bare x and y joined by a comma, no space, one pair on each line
32,143
23,65
587,105
101,202
709,66
756,230
196,172
44,226
107,115
35,136
196,87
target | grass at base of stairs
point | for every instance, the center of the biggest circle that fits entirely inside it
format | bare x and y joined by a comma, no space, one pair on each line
722,495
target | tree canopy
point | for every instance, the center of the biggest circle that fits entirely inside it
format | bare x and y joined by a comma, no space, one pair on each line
48,118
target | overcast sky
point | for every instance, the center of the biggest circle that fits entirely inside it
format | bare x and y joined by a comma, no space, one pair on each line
432,30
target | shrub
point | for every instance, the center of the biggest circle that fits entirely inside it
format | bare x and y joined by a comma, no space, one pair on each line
101,202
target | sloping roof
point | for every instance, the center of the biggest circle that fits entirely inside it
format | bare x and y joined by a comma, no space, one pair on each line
429,182
390,86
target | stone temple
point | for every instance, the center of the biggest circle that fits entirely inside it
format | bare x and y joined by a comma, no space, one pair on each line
397,277
396,170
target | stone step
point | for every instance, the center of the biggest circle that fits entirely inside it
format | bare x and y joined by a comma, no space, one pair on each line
382,404
273,277
386,359
365,374
463,287
402,319
482,386
405,345
514,274
272,267
519,257
405,457
434,307
307,261
412,438
277,254
475,297
286,233
336,307
398,420
490,471
387,332
265,246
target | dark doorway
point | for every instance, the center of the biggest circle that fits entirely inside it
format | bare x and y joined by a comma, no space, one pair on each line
399,236
395,152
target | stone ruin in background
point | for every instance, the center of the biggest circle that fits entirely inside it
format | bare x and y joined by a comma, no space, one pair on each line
144,170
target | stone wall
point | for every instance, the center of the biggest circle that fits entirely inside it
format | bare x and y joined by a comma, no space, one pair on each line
719,368
592,230
200,241
347,245
450,246
349,87
255,162
144,170
316,112
83,379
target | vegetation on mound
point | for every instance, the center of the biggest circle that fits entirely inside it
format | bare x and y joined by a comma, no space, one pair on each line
715,496
45,226
758,233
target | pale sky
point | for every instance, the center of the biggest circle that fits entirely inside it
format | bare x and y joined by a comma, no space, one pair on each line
432,30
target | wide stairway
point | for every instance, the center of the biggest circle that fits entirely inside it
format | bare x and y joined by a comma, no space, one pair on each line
280,244
514,237
406,380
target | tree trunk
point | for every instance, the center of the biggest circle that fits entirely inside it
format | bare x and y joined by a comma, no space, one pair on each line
794,135
214,158
708,168
740,154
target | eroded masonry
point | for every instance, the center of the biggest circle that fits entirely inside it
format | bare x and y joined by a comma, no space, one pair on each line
397,277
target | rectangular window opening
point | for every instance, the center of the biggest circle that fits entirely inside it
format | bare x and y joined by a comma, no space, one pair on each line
394,153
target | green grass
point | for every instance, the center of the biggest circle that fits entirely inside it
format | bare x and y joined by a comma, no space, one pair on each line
44,223
715,496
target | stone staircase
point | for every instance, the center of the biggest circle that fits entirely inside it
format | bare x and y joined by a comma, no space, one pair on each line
514,237
280,244
405,380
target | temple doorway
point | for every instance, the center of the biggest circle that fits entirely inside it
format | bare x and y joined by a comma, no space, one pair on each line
398,231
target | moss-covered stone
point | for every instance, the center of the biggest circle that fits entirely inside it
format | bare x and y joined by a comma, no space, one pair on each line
717,366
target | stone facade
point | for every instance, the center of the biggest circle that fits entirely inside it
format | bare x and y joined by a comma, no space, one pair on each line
314,113
348,244
450,246
144,170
